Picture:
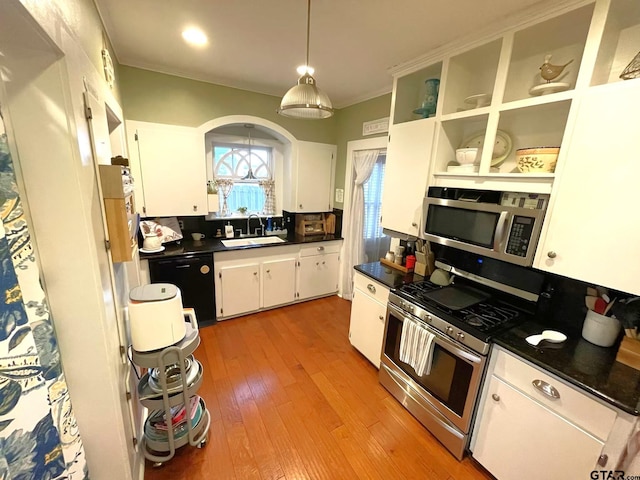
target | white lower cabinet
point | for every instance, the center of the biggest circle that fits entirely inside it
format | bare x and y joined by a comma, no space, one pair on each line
259,278
366,325
278,282
318,275
550,431
239,289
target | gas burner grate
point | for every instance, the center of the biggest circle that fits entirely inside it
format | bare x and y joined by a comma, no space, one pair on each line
484,316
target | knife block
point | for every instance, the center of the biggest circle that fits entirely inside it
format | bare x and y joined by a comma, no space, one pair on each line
629,352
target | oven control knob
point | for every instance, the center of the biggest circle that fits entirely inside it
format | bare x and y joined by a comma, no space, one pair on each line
460,336
449,330
428,318
411,308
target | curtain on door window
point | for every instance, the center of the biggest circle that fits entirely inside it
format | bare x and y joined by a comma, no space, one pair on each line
364,237
376,243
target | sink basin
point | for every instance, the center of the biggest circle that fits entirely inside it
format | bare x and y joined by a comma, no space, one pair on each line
247,242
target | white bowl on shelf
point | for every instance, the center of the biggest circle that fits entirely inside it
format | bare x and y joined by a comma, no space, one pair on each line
466,156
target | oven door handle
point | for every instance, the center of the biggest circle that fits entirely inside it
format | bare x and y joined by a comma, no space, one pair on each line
501,225
441,339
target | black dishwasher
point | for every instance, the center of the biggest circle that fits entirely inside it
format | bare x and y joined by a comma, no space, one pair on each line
193,275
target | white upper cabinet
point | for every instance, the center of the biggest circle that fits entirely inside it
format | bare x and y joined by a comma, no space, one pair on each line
309,177
168,161
592,231
406,173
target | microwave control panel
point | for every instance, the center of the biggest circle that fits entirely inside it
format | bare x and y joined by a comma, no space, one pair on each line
520,236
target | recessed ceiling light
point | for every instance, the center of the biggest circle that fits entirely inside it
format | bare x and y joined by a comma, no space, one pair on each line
302,69
194,36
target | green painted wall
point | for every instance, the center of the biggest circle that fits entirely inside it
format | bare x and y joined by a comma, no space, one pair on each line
349,127
156,97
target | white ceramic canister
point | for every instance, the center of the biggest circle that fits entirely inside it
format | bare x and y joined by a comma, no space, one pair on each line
600,330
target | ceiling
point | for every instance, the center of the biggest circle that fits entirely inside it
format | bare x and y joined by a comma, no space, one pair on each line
257,44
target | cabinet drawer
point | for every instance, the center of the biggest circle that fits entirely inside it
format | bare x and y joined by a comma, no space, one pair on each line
320,248
371,288
575,406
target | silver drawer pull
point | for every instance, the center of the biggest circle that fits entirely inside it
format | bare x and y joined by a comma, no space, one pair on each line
547,389
320,249
371,288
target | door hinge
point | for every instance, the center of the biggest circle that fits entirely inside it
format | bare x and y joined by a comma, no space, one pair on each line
389,138
221,311
144,209
127,395
123,350
107,245
87,113
135,136
134,440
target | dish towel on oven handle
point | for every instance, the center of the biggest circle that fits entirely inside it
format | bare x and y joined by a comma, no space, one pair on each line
416,347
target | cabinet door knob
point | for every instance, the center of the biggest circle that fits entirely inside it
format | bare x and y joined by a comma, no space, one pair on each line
324,263
548,390
300,205
414,224
195,208
603,459
371,288
551,254
380,317
320,249
268,271
317,263
496,397
255,273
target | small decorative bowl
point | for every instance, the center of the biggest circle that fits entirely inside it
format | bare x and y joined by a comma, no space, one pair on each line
537,159
466,156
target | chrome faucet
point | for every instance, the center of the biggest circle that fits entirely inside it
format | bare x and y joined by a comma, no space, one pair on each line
259,219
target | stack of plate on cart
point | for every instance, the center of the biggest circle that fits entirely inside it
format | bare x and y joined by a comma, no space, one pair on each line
156,427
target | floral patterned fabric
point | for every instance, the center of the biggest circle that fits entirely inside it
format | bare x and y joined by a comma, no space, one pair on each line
39,438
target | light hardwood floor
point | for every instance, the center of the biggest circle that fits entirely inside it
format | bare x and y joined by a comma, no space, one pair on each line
290,398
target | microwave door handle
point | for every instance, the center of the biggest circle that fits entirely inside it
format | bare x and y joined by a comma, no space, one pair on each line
500,229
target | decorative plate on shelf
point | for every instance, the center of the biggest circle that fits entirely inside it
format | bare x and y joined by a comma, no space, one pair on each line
501,149
547,88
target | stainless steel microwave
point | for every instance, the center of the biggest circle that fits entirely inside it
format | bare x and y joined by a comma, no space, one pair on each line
501,225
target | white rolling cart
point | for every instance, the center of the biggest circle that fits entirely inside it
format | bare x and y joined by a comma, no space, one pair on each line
162,389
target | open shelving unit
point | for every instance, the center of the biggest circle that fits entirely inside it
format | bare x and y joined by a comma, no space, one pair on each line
492,91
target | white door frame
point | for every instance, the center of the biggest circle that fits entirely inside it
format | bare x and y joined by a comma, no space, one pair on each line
375,143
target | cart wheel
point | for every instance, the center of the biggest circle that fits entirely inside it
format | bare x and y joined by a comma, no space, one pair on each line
157,464
203,443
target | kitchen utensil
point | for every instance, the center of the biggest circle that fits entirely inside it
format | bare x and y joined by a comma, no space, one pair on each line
590,302
390,256
551,336
600,330
456,297
600,306
157,250
592,292
609,307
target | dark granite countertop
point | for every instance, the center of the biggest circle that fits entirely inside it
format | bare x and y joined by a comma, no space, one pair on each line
212,245
388,276
580,363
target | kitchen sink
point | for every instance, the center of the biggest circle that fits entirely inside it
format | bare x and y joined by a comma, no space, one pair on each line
247,242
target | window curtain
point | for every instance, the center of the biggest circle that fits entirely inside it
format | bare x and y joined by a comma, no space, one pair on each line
376,243
269,188
363,164
39,437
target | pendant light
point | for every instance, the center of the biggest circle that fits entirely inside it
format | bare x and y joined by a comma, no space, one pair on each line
306,100
249,175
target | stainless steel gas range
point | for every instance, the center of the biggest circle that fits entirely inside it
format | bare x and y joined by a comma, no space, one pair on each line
458,322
